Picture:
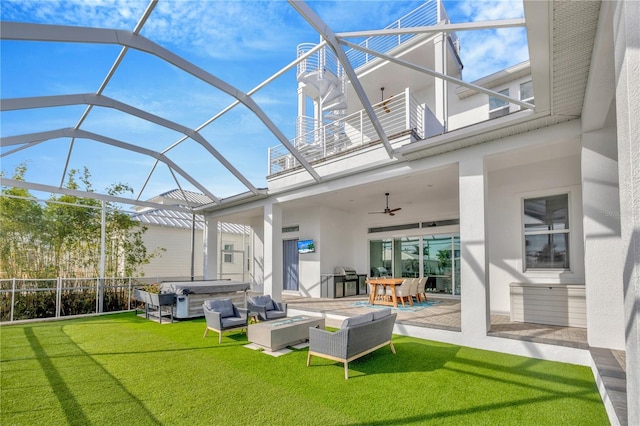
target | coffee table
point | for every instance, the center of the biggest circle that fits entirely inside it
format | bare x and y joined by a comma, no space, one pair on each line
280,333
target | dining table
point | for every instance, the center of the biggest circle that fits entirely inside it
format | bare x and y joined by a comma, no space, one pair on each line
385,283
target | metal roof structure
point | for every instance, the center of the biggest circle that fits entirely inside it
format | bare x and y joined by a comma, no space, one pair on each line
175,219
132,42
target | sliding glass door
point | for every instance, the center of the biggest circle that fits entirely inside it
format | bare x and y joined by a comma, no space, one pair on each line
441,263
380,258
436,257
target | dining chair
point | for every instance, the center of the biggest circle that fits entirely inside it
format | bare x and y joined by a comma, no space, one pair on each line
403,291
422,282
379,291
414,289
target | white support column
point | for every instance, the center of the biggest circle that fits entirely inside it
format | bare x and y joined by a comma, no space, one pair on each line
474,299
273,250
626,35
210,243
257,261
440,65
602,245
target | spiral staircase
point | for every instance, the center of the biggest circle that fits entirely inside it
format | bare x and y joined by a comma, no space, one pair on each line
322,80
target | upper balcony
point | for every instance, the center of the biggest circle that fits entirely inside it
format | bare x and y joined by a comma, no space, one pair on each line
423,73
402,118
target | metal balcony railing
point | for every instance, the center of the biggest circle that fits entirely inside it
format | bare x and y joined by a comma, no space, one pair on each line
429,13
398,113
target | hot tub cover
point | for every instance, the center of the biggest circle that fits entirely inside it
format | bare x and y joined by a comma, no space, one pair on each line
201,287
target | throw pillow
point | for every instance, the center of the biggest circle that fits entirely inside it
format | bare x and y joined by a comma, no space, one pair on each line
360,319
224,306
381,313
265,301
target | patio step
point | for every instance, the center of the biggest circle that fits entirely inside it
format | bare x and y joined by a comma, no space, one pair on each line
614,380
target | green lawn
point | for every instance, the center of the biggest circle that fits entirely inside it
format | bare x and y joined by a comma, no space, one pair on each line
121,369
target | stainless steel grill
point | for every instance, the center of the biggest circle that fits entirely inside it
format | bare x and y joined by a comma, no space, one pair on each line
349,273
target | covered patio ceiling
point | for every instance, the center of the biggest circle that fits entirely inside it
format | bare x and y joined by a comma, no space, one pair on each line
151,134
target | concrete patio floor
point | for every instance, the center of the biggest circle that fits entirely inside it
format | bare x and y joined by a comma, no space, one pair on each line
445,316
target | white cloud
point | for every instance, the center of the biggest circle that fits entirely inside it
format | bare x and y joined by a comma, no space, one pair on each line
484,52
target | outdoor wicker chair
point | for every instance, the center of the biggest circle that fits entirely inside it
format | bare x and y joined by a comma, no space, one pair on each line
222,315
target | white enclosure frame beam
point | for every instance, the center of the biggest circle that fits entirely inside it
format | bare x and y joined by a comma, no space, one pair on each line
439,75
78,133
330,37
439,28
71,34
105,82
105,101
237,102
91,195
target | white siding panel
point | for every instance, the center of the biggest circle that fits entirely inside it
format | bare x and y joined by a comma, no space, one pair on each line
553,304
176,260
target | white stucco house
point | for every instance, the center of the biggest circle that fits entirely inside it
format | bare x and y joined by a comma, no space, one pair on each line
527,179
517,194
176,239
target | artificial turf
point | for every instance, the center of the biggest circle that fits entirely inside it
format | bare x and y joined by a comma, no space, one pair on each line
122,369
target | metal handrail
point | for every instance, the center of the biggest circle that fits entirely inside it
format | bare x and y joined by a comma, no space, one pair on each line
424,15
396,114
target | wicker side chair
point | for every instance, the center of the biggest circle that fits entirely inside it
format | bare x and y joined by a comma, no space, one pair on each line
403,291
222,315
422,282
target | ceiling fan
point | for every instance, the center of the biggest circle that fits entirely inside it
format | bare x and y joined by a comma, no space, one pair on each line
387,210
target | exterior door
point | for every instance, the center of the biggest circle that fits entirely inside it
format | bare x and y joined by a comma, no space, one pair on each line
290,276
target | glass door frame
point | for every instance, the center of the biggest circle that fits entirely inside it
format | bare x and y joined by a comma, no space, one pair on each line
395,240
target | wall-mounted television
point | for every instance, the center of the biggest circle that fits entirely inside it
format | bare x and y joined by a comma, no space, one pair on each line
306,246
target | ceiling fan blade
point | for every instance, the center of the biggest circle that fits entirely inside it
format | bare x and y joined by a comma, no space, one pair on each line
395,210
377,212
391,213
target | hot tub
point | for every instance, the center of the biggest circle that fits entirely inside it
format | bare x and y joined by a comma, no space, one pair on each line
191,294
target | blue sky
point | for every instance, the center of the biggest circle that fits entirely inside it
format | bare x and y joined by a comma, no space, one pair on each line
240,42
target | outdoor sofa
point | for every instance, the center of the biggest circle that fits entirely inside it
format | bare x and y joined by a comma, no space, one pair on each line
357,337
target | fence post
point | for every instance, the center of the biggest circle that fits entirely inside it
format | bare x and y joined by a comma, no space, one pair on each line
13,296
58,295
97,294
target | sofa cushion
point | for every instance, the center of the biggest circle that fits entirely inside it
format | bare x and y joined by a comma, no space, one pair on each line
224,306
360,319
381,313
275,314
265,301
233,322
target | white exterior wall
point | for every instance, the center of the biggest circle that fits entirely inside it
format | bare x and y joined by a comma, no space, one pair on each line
603,263
176,260
507,188
233,270
626,34
475,108
332,233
